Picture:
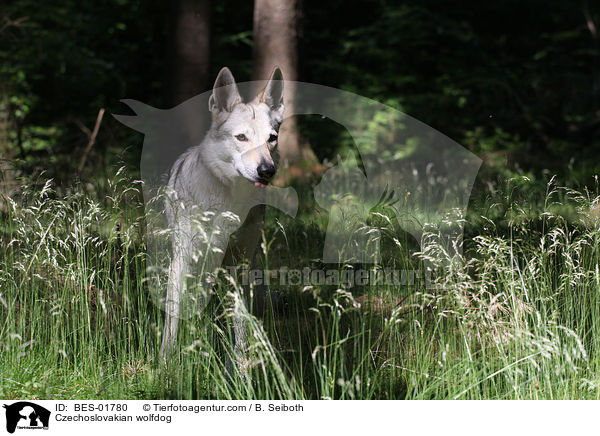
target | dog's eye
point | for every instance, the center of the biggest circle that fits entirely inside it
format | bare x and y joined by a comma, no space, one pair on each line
272,138
241,137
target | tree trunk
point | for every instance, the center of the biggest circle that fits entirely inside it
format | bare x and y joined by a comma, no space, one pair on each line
275,44
188,51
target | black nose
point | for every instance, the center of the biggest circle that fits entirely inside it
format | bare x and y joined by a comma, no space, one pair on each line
265,171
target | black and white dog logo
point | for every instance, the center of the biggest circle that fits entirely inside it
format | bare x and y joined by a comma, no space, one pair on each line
26,415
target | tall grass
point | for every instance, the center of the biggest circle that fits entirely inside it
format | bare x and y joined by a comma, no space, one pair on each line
516,316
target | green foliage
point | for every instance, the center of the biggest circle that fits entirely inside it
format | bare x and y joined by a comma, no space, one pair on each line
523,69
515,82
515,317
511,78
63,61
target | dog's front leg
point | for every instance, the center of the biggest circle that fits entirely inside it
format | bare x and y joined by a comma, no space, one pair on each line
175,288
242,247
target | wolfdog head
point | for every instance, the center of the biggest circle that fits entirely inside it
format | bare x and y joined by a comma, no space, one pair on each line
242,140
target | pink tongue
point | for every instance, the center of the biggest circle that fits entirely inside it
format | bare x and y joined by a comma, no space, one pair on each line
260,185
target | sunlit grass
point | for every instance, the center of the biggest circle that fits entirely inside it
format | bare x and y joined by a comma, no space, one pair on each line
516,316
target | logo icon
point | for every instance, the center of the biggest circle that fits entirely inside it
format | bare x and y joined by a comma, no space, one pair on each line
26,415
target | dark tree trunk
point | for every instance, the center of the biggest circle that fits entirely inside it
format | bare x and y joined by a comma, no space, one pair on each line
275,44
188,50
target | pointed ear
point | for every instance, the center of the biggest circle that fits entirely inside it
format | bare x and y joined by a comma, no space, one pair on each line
272,95
225,93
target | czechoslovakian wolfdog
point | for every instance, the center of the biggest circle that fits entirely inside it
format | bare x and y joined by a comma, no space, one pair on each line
235,160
